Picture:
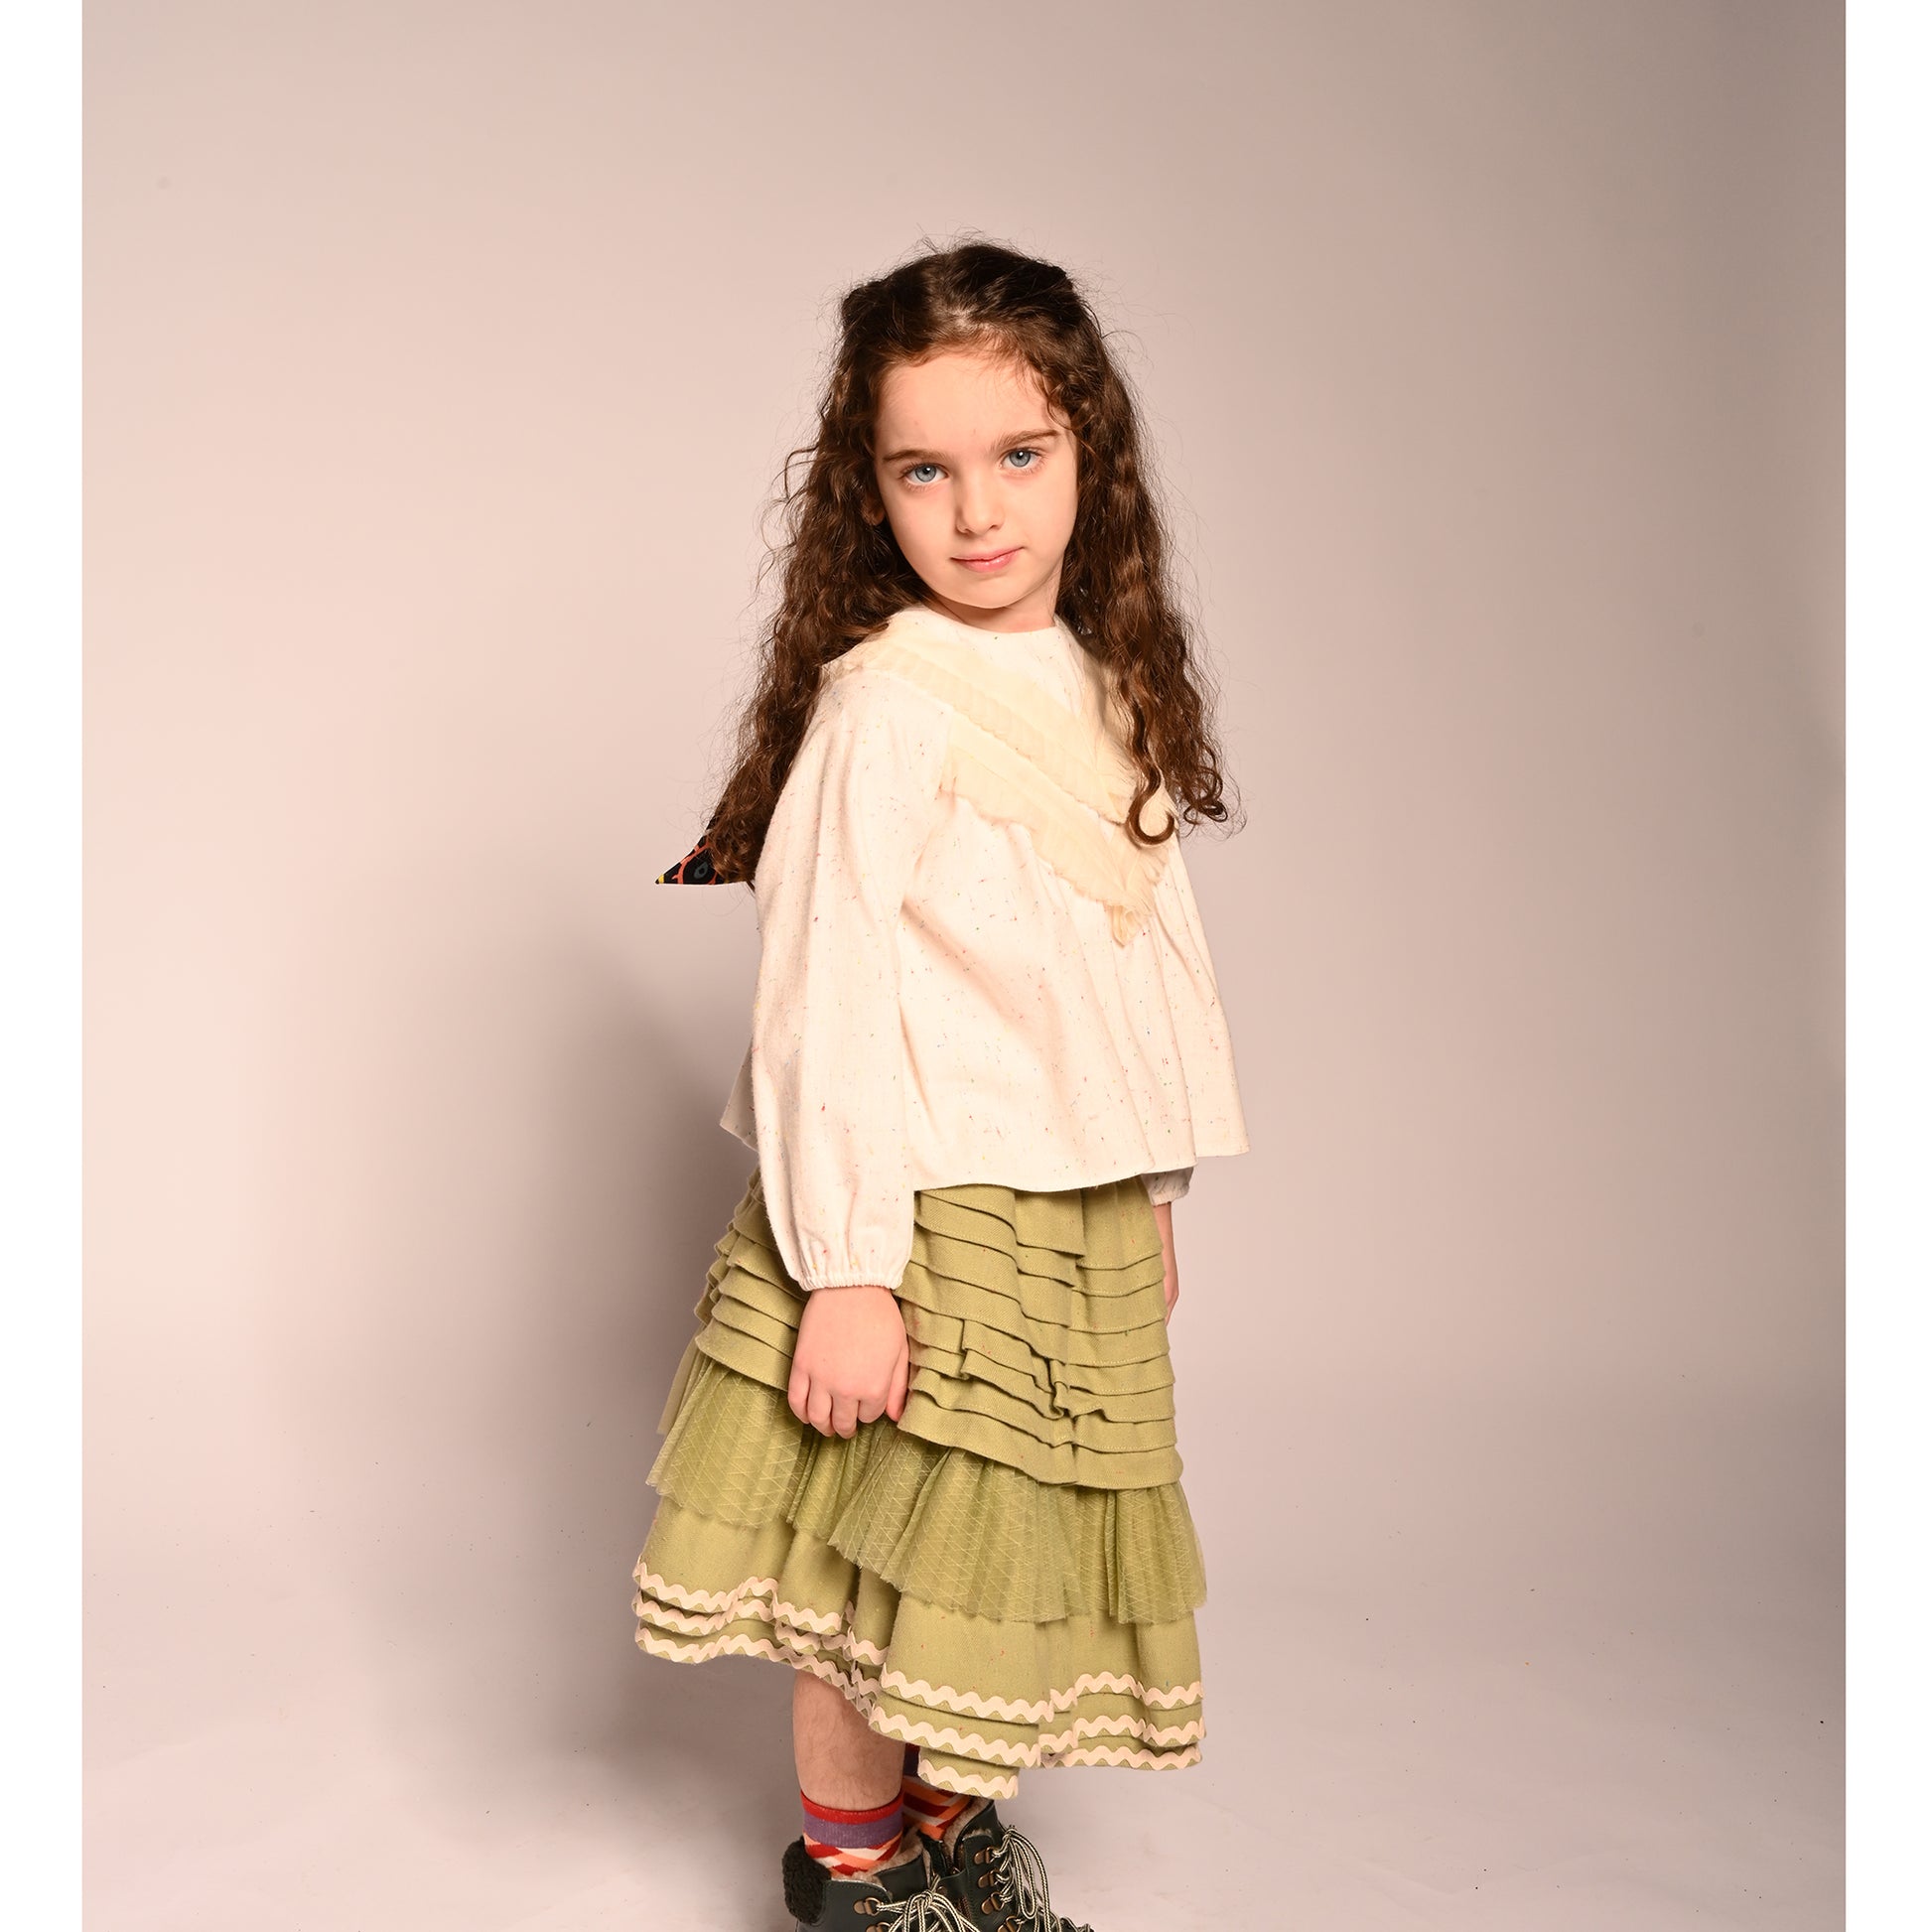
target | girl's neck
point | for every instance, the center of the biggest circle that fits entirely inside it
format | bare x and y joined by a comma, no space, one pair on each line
1019,619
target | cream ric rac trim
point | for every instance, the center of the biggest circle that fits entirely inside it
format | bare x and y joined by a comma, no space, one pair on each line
1020,757
1141,1760
706,1599
967,1784
1018,1710
757,1598
946,1775
787,1647
838,1657
725,1606
1174,1745
1048,1750
753,1599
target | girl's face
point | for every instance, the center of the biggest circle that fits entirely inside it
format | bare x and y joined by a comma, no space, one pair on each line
977,476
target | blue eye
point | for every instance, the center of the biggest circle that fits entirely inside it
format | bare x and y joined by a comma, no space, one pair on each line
1032,455
915,474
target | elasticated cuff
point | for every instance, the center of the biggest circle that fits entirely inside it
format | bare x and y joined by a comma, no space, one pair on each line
849,1278
1167,1186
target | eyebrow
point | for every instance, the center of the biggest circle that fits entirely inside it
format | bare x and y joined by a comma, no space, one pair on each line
1004,444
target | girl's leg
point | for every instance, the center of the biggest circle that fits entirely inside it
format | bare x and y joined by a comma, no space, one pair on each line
848,1788
928,1808
840,1761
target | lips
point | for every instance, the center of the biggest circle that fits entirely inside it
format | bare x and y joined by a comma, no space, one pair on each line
991,560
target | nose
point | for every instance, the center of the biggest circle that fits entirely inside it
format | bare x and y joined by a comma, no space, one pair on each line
976,504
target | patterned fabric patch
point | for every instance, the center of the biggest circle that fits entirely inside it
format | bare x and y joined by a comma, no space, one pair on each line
695,868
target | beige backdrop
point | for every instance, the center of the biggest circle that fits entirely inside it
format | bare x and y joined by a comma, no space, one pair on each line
440,356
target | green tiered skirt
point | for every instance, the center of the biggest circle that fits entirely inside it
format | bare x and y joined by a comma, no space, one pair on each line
1008,1576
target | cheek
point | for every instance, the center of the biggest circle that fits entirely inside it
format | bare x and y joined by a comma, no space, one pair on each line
918,522
1067,504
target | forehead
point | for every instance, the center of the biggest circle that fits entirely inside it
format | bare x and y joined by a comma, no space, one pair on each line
961,398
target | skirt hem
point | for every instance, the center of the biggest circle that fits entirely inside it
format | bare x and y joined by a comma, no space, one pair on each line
951,1758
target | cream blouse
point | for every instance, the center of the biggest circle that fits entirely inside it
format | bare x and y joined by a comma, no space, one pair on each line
968,971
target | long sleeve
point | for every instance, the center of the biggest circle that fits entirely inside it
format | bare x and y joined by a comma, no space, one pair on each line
1213,1097
828,1052
1167,1186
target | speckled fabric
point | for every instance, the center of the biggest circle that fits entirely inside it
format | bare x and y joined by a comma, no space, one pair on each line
967,974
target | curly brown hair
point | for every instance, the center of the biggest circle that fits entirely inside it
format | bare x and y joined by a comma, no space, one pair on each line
844,575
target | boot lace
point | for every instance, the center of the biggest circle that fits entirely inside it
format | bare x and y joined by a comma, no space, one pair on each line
930,1911
1019,1888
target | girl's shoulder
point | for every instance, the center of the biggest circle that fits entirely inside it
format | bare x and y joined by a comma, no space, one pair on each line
866,720
903,678
866,686
882,662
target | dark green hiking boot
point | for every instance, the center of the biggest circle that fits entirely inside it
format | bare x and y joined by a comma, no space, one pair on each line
995,1877
902,1896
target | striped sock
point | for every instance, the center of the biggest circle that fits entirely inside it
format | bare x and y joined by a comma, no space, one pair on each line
926,1806
849,1844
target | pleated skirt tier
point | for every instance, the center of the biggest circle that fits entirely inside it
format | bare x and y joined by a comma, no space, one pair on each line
1006,1577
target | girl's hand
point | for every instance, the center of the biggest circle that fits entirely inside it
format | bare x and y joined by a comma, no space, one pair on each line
1163,1220
851,1363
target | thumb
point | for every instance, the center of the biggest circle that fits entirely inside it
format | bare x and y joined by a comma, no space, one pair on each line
895,1395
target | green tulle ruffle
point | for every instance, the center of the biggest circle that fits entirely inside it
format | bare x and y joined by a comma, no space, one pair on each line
939,1523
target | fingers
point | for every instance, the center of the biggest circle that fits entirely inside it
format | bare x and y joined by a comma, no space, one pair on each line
833,1414
849,1363
814,1404
818,1409
890,1399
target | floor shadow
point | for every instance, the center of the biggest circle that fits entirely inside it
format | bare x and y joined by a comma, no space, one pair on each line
644,1184
490,1578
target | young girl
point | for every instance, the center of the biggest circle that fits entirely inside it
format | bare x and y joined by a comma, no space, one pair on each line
922,1446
